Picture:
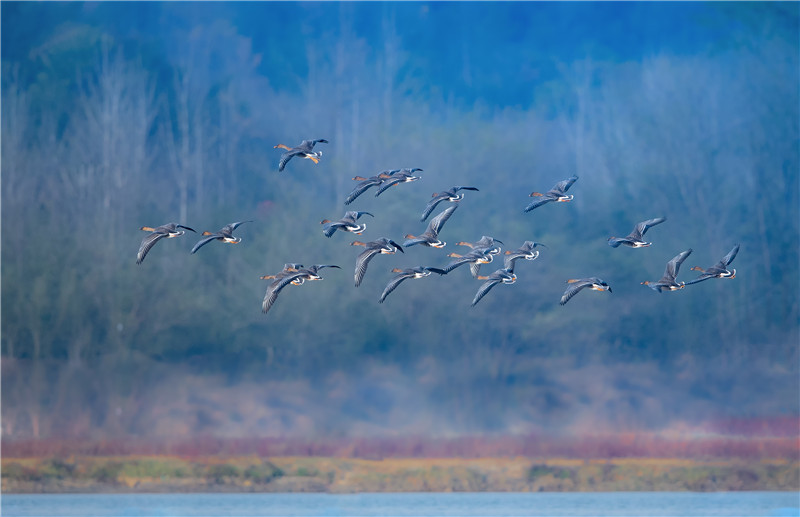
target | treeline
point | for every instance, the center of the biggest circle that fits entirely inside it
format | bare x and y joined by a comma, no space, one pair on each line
104,132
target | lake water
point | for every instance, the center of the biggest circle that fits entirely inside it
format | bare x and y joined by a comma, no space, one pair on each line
740,504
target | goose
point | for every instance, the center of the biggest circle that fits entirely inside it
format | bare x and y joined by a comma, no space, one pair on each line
305,149
635,239
382,246
347,223
397,176
557,194
405,274
718,270
296,277
223,235
501,276
578,284
668,281
430,237
165,231
450,194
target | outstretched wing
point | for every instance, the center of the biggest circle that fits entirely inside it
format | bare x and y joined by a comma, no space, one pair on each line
330,228
614,242
362,261
147,243
485,288
642,227
702,277
573,289
730,256
510,260
563,186
394,180
230,227
393,283
539,202
285,157
203,242
674,265
431,206
360,189
457,262
474,269
272,294
435,226
414,241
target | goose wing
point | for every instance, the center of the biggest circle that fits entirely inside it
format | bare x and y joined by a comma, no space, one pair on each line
435,226
393,283
204,241
362,261
228,228
414,241
614,242
539,202
702,277
574,288
641,228
284,279
330,228
285,157
394,180
460,261
674,265
563,186
729,257
360,189
147,243
474,269
485,288
438,198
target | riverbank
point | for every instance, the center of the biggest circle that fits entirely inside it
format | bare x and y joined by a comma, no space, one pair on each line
143,474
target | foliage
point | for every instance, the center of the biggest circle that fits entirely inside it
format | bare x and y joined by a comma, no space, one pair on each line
125,115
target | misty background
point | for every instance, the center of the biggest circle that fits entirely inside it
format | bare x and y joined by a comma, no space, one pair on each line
122,115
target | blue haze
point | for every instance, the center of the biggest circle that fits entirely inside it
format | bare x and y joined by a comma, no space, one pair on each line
121,115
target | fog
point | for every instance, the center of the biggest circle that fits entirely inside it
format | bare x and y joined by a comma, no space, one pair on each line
122,115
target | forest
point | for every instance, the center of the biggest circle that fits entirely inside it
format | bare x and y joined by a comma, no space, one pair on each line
117,116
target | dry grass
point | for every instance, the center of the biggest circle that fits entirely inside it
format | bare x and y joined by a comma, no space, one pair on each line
301,473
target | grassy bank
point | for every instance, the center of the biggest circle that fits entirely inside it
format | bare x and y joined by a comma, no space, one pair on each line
321,474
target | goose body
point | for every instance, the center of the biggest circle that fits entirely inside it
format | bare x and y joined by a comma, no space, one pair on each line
450,194
558,194
405,274
718,270
382,246
430,237
668,282
296,277
165,231
635,239
576,285
501,276
225,234
304,150
397,176
347,223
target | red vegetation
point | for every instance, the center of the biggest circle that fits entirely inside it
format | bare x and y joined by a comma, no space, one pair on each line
627,445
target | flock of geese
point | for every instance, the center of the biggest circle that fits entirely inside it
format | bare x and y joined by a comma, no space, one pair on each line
481,252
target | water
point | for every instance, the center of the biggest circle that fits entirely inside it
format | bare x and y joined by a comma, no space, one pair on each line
740,504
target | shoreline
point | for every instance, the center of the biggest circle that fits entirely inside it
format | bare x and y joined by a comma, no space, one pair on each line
295,474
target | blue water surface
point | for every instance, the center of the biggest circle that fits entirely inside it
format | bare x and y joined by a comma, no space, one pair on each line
743,504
